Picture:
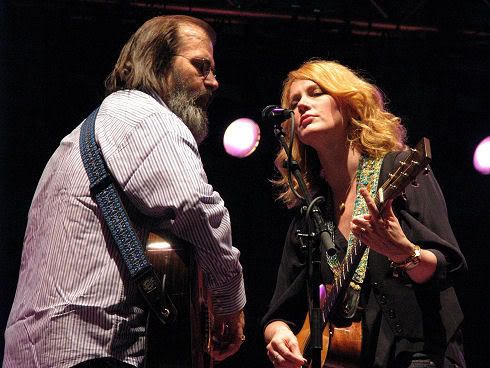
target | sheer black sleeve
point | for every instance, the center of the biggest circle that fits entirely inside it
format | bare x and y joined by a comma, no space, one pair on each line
288,303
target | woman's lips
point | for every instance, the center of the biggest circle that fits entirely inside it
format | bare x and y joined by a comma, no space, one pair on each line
306,119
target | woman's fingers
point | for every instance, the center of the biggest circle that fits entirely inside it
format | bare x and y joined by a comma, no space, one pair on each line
371,205
283,351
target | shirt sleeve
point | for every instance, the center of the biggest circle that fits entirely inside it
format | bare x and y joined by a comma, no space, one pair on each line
289,301
159,168
424,220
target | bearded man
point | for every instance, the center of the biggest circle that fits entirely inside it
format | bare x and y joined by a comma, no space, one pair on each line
75,304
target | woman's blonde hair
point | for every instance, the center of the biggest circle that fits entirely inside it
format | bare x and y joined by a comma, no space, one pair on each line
371,129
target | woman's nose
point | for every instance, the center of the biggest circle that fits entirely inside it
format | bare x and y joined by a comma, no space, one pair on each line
303,106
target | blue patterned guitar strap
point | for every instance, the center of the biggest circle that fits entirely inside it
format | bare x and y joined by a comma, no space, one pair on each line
104,191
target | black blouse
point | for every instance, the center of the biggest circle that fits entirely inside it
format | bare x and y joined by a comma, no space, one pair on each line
399,317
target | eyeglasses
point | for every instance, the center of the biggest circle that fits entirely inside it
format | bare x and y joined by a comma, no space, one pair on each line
203,65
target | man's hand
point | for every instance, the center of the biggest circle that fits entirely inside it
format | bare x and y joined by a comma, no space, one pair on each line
227,335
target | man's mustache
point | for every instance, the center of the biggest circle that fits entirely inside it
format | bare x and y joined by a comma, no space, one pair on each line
203,99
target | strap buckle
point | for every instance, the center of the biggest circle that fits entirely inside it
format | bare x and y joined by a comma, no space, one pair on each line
155,295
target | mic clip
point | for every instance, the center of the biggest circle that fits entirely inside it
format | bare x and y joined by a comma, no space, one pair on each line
275,114
293,165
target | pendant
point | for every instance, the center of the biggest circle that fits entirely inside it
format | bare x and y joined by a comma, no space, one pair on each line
341,207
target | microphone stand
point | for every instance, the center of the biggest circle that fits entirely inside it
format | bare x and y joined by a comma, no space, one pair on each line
320,233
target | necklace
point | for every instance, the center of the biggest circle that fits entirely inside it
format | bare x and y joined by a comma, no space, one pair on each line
342,203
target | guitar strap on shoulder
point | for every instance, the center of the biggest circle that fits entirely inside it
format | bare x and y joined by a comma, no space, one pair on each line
103,189
367,176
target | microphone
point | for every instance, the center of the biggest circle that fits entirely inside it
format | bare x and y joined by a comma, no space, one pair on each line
275,114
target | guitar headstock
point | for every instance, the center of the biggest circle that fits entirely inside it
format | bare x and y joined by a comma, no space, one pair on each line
405,173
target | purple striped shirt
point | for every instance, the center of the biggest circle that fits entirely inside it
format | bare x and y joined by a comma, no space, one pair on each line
73,299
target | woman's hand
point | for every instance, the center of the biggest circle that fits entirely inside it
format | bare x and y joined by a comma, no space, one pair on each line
382,233
282,346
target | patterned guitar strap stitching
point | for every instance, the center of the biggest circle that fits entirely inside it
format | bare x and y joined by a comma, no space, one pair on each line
103,188
367,176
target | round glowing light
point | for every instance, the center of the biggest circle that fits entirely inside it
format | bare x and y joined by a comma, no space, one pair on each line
481,158
241,137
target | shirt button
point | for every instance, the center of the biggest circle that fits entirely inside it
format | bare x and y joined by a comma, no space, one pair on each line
382,299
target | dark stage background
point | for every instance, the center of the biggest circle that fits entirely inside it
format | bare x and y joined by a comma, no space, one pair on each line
55,56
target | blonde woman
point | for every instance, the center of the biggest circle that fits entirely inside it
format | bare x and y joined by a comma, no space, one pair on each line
401,293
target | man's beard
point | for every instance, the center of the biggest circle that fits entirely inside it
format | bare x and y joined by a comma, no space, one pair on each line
191,107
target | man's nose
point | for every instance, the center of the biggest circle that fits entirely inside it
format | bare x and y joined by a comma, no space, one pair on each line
211,82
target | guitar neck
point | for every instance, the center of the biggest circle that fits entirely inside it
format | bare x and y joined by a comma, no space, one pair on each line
404,174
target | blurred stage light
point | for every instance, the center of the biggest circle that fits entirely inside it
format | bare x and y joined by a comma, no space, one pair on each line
241,137
481,158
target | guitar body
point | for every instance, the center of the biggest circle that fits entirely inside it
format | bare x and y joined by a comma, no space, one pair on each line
345,345
341,344
185,342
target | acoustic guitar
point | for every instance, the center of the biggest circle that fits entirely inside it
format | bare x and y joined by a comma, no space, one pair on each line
342,343
186,341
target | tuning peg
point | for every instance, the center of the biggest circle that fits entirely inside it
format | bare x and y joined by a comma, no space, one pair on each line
415,184
426,170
